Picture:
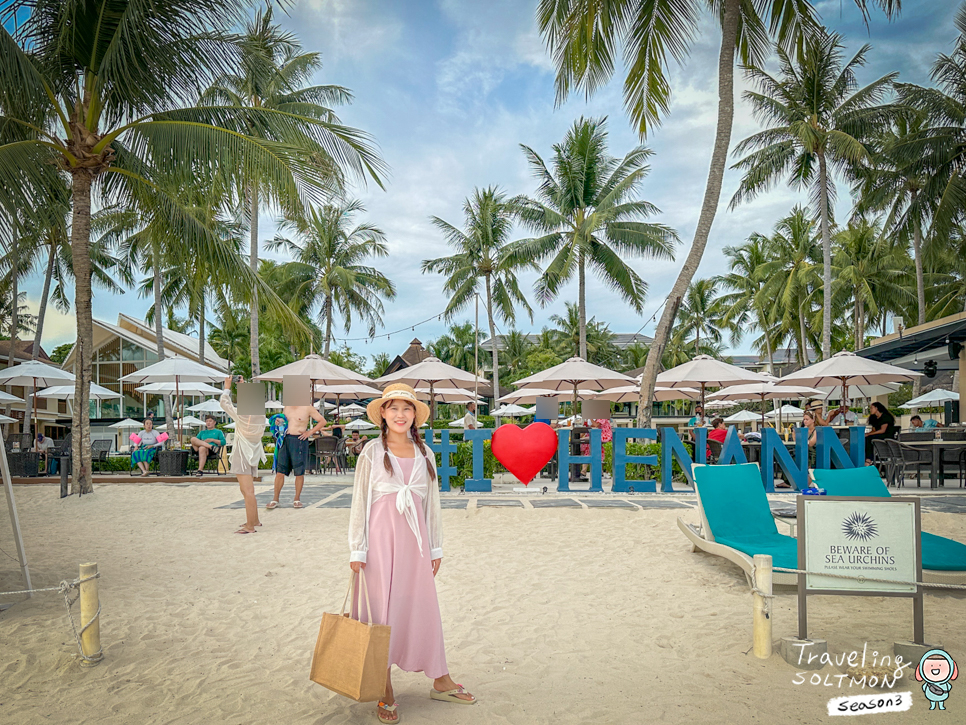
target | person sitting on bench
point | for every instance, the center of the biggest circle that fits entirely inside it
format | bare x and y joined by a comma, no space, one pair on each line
209,441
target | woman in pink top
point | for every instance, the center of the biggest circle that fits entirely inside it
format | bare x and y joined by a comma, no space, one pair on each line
395,536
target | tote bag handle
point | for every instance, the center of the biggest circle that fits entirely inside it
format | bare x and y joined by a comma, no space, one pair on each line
363,588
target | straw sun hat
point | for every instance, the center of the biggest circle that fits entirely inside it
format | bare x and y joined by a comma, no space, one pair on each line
397,391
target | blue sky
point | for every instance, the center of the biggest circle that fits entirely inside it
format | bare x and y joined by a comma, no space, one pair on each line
450,88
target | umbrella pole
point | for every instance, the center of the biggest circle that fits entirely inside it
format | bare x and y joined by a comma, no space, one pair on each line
575,404
432,405
35,407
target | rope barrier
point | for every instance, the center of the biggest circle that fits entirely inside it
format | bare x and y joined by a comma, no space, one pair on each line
936,585
65,588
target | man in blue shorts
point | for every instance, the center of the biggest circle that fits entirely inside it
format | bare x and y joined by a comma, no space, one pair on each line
292,455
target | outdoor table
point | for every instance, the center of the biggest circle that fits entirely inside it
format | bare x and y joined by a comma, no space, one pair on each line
787,514
937,447
754,447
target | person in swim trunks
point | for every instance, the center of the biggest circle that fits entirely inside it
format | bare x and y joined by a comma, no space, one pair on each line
293,454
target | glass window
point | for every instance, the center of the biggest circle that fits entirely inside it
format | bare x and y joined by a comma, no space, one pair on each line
111,408
150,356
131,352
111,351
109,375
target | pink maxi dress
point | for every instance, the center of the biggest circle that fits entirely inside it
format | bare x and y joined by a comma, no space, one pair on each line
402,588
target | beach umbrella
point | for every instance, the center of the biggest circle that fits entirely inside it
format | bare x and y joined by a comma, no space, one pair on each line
931,399
742,416
765,391
458,423
574,373
448,395
717,404
209,406
789,411
35,374
183,388
126,424
435,373
7,419
189,421
360,425
512,411
177,370
8,398
705,371
530,395
632,394
319,371
353,391
66,392
845,369
273,405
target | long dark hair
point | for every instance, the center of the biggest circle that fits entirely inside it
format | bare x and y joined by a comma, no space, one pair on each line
416,437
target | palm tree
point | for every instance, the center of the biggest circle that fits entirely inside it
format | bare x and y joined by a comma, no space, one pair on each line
791,274
583,38
868,269
818,119
516,348
947,284
272,75
456,347
746,306
937,152
229,335
107,100
702,312
380,363
597,337
334,253
481,253
586,215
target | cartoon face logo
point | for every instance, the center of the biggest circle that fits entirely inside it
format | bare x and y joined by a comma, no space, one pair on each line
936,671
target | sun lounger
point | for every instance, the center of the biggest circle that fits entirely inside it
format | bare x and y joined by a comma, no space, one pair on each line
736,521
943,559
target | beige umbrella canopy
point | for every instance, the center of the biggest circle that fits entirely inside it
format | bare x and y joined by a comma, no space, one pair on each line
447,395
319,371
765,391
704,371
35,374
353,391
632,394
433,372
530,395
846,369
573,373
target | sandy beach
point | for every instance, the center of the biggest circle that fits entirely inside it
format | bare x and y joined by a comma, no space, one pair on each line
572,615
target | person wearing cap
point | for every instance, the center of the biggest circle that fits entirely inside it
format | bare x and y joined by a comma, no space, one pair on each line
395,541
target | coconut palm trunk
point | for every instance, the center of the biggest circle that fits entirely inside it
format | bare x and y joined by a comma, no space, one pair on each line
15,293
42,312
201,331
802,345
159,333
256,369
80,236
582,306
712,194
328,326
826,257
493,349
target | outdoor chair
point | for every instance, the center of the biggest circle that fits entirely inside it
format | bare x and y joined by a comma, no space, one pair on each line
715,449
24,441
944,558
884,461
736,520
327,450
342,454
211,463
909,456
99,451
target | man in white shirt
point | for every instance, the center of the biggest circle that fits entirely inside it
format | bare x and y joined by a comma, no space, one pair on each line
469,420
842,416
45,446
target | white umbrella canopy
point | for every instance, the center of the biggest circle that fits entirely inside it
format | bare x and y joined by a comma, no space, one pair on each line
718,405
175,369
742,416
350,390
458,423
765,391
321,372
126,424
35,374
931,399
209,406
354,408
786,411
196,388
447,395
845,369
8,398
189,421
573,373
704,371
512,411
530,395
66,392
360,425
632,393
435,373
7,419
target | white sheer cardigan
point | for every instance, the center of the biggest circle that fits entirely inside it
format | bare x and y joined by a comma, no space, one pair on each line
372,481
249,429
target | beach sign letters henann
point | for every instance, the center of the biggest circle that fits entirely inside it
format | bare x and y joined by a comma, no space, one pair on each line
829,453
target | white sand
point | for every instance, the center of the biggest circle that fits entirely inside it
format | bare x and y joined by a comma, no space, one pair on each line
573,616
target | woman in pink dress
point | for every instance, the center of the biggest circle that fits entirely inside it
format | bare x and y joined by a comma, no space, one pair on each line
395,536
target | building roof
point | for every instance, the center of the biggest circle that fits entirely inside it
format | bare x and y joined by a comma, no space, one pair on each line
912,347
782,356
25,351
139,333
620,339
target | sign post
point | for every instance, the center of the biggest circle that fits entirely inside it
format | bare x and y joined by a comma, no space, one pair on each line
863,539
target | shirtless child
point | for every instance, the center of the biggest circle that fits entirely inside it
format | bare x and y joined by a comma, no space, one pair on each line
294,452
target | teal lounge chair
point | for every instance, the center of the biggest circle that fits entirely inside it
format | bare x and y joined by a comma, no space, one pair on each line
943,560
736,521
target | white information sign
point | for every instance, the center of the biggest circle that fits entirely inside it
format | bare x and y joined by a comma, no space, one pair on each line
860,538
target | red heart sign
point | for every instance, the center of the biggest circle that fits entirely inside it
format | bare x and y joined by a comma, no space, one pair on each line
524,452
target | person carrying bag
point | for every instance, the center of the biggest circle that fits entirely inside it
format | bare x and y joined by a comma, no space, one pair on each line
351,657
